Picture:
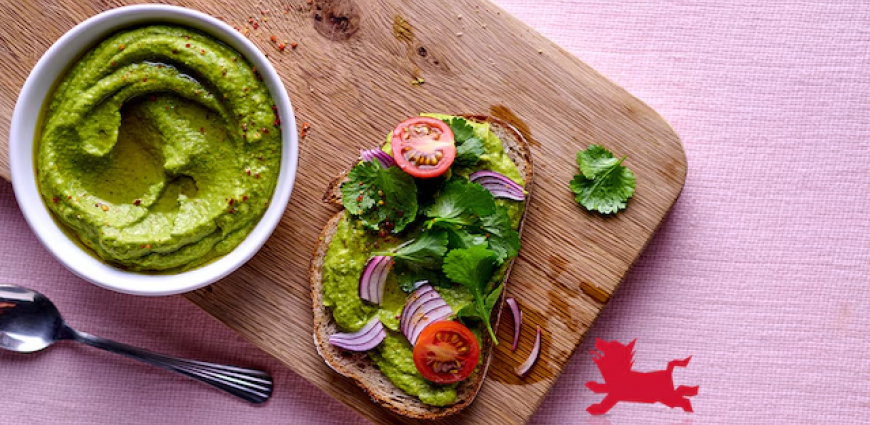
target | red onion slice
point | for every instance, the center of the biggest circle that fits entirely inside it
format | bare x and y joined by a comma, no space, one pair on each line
533,356
422,308
518,321
376,154
373,279
370,336
499,185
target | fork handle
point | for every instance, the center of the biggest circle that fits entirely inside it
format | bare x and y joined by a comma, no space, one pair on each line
251,385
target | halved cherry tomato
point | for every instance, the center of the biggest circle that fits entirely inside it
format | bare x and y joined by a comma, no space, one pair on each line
446,352
423,147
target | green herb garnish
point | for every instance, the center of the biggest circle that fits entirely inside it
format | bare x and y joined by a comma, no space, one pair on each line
383,199
469,148
604,184
473,268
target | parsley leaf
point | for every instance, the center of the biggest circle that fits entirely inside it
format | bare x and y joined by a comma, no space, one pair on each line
459,202
473,268
469,148
604,184
504,241
384,199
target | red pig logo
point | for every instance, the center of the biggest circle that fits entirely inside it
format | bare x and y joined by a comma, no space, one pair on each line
615,360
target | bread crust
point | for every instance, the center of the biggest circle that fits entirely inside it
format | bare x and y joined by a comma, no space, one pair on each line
358,366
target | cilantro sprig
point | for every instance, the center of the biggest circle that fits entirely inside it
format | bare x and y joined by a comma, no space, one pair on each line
424,252
383,198
473,268
469,215
603,184
461,202
469,148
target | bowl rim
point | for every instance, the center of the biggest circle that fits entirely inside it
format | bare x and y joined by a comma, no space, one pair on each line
26,117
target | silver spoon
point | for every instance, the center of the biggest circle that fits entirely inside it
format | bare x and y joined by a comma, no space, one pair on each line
30,322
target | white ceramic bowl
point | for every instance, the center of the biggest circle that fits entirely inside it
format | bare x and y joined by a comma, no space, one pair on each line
25,120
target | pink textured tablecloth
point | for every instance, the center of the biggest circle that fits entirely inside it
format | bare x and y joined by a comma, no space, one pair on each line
760,272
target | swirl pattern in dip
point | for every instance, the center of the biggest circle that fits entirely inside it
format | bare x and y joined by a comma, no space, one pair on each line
160,149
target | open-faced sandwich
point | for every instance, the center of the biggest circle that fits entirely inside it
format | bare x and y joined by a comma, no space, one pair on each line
407,280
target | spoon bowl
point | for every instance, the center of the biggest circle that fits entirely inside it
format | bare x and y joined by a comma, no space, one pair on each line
30,322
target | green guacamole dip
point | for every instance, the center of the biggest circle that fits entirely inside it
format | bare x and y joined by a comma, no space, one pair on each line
160,149
346,257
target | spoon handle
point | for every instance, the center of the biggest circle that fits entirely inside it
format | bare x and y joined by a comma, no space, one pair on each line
251,385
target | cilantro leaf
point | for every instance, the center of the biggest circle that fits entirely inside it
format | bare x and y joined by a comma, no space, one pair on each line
357,197
426,251
461,130
595,160
469,152
408,279
469,148
384,199
473,267
604,184
459,202
459,237
503,240
492,298
419,259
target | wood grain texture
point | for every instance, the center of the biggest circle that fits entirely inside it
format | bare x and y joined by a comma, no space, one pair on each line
350,77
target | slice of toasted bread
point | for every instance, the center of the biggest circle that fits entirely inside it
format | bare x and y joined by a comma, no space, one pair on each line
358,366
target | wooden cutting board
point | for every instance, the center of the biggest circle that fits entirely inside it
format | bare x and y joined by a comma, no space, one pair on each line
351,78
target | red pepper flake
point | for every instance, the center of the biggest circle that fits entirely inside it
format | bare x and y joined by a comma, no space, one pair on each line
187,37
137,202
359,198
187,45
273,38
254,69
54,199
306,126
244,197
202,51
68,197
97,205
256,25
113,64
232,201
148,246
281,47
294,45
122,46
145,79
257,176
248,171
277,122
